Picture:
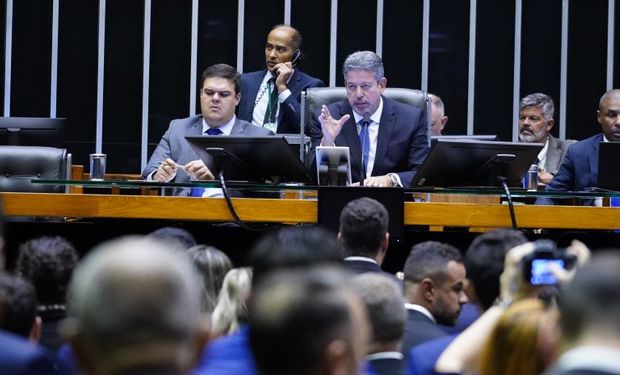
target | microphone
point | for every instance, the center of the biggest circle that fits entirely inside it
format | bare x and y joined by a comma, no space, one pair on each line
365,139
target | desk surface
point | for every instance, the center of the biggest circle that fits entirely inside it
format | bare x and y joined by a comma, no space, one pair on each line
299,211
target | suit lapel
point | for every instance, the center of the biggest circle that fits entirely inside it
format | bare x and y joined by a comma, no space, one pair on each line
195,129
554,152
238,128
386,126
352,139
593,159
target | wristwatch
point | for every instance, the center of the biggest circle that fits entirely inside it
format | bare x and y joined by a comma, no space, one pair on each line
394,179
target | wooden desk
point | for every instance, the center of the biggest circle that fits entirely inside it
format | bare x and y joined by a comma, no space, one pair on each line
299,211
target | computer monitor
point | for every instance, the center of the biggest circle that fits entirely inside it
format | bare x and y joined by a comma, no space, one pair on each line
608,162
453,163
32,131
480,137
333,166
250,158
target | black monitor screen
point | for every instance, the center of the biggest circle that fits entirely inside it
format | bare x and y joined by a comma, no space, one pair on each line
250,158
32,131
452,163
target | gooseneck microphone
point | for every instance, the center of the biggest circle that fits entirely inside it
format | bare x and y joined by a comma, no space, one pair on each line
365,142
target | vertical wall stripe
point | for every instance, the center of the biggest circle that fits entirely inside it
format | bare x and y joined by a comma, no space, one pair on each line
287,12
563,69
611,20
8,52
100,81
471,76
240,32
54,58
379,37
194,59
516,77
145,84
332,43
426,20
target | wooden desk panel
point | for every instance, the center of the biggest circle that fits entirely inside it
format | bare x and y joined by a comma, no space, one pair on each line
299,211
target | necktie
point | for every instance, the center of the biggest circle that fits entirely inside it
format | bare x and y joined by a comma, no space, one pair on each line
272,104
365,143
198,191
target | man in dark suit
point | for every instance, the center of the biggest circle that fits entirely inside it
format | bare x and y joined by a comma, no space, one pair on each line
434,291
271,97
219,95
386,313
535,124
387,140
590,319
579,171
364,235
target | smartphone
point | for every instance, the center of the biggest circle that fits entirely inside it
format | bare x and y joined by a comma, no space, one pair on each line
540,273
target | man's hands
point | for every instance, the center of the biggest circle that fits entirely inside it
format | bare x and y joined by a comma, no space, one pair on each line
284,72
330,126
377,181
195,169
544,178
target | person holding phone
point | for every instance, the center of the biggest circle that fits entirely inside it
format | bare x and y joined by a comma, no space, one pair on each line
271,97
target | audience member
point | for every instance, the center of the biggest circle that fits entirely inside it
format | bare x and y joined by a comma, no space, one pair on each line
307,322
438,117
134,309
387,139
288,248
48,263
535,124
219,96
271,97
231,311
213,265
590,319
434,291
17,355
19,308
182,236
364,234
387,315
579,171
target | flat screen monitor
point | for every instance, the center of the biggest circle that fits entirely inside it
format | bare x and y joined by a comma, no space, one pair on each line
32,131
453,163
608,161
480,137
333,166
250,158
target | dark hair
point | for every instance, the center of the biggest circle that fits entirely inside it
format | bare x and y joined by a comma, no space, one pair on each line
484,262
293,247
312,309
213,265
295,38
430,260
224,71
592,299
47,262
363,225
19,305
174,235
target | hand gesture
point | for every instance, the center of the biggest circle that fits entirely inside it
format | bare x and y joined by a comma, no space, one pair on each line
284,72
166,171
197,170
330,126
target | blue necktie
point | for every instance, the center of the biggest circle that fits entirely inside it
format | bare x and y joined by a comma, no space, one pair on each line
198,191
365,144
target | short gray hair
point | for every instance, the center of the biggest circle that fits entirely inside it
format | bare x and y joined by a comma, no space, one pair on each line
363,60
135,294
438,103
539,100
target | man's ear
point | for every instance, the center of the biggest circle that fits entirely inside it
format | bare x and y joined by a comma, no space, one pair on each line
549,125
427,290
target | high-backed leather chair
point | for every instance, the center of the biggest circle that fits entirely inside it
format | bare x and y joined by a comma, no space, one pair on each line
21,164
315,97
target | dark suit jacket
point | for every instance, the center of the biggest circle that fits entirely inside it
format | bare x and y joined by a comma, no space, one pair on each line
289,116
401,145
173,144
17,357
578,172
387,366
419,329
556,152
422,358
579,372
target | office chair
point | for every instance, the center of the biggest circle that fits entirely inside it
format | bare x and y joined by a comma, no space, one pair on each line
21,164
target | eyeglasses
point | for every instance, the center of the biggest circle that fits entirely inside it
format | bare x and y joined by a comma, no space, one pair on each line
222,94
364,86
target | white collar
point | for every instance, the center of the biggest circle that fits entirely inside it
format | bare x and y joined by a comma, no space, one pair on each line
384,355
605,139
375,117
420,309
361,259
225,128
600,358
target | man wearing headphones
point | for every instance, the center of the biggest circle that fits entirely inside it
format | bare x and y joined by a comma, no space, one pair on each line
271,98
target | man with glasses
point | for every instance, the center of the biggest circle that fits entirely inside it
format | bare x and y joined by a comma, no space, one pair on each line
173,158
271,97
386,139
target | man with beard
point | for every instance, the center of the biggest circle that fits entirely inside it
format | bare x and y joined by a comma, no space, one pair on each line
535,124
434,292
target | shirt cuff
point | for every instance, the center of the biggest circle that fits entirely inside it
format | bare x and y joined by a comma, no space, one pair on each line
396,178
284,95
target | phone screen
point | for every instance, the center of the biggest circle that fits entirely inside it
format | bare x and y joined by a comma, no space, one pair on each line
541,275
